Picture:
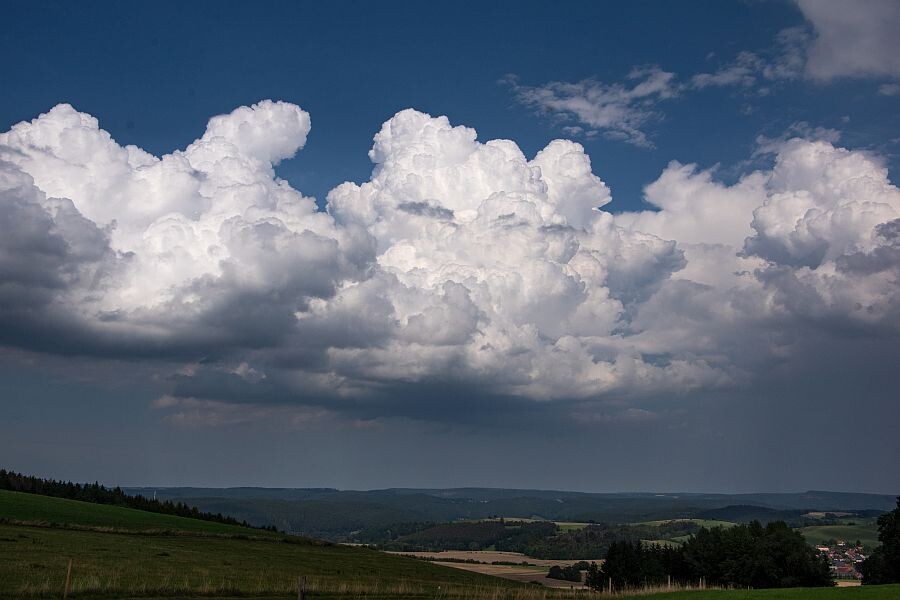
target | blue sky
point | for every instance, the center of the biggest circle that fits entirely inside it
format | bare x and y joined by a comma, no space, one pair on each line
191,320
154,73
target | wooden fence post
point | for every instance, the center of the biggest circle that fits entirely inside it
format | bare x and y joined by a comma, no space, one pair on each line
301,587
68,580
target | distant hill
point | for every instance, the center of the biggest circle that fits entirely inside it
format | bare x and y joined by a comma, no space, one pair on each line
336,514
744,513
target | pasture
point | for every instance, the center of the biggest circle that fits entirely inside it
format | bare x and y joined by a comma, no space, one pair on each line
119,552
819,534
46,510
708,523
874,592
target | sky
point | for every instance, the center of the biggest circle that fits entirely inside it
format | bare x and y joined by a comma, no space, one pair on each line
634,246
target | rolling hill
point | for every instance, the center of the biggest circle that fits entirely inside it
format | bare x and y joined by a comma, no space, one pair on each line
119,552
335,514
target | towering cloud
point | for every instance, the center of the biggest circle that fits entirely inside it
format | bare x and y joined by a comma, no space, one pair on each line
459,263
203,248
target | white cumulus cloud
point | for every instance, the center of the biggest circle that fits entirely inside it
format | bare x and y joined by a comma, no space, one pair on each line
853,39
459,264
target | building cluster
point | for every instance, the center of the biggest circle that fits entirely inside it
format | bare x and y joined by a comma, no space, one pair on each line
843,558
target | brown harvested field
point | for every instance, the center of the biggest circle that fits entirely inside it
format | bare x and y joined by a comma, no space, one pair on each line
523,574
535,570
490,556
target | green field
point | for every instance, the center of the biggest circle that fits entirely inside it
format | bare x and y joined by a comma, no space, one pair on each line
47,510
663,543
124,553
818,534
708,523
119,552
570,525
874,592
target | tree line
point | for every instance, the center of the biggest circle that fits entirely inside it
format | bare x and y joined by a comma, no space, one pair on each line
538,539
98,494
883,565
752,555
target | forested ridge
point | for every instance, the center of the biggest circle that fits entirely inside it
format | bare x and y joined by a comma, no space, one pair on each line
99,494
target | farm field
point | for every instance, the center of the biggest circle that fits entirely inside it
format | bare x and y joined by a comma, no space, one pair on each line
699,522
570,526
534,571
818,534
563,525
872,592
488,556
119,552
149,555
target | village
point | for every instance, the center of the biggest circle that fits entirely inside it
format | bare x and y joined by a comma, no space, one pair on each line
843,558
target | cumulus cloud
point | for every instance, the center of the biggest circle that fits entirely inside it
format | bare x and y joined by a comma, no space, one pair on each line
460,270
853,39
198,248
617,110
817,231
840,39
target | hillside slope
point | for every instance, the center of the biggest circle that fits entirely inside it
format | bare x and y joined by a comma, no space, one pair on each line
120,552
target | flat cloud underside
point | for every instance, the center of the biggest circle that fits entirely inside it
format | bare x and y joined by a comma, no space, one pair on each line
459,266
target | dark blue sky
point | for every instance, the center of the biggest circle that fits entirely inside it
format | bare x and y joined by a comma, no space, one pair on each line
153,74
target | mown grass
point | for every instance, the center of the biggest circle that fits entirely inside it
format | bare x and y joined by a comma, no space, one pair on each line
570,525
119,552
33,564
866,592
699,522
122,553
44,509
818,534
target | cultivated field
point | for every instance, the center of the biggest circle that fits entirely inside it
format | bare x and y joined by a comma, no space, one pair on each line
563,525
490,556
534,571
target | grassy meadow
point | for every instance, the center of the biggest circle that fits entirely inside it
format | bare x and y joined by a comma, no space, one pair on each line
45,510
120,552
865,533
874,592
708,523
125,553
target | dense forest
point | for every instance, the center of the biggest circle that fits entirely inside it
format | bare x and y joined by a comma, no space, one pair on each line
757,556
539,539
98,494
594,540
